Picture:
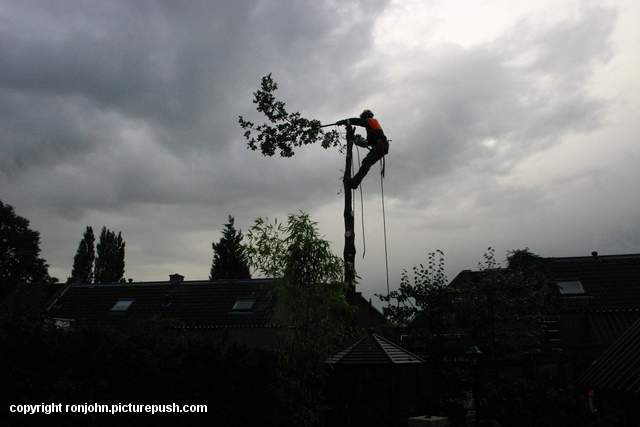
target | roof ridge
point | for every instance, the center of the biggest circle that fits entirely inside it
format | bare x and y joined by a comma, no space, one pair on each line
375,339
172,284
349,350
592,257
388,341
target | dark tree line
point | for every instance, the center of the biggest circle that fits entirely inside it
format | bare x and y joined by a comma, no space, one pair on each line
82,271
20,260
501,310
103,263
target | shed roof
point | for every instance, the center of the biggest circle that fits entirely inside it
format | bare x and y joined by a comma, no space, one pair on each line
374,349
618,368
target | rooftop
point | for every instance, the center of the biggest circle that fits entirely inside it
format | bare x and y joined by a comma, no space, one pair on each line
373,349
194,304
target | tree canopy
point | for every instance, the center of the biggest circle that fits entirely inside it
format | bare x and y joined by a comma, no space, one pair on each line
500,309
424,293
505,306
311,288
20,260
82,271
229,258
282,131
311,301
109,265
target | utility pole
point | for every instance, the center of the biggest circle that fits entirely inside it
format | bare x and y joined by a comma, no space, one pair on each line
349,253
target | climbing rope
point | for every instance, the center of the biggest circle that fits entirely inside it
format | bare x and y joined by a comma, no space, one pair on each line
384,221
364,243
384,216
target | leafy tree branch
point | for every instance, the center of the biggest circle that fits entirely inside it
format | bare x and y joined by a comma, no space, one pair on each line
283,131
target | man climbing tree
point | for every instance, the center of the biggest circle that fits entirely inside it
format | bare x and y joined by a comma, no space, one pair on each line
285,132
377,143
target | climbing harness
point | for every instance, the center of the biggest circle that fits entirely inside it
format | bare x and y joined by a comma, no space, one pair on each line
383,167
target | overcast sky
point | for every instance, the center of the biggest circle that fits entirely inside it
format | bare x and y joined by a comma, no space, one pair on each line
513,124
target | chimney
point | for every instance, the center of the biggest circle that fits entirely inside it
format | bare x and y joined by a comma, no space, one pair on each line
594,254
176,278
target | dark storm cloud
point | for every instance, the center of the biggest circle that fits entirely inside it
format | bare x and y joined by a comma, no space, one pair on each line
75,79
125,113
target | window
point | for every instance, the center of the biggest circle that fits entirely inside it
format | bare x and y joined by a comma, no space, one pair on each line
122,305
570,287
243,305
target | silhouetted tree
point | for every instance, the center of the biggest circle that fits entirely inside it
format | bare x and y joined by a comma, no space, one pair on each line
425,293
82,271
310,292
19,252
229,259
284,131
504,307
109,266
309,276
500,308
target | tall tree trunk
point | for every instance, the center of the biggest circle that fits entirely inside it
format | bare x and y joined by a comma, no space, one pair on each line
349,253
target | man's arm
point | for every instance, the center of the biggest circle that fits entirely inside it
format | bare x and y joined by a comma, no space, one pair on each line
356,121
361,142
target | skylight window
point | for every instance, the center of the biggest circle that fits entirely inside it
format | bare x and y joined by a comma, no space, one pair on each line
570,287
122,305
243,305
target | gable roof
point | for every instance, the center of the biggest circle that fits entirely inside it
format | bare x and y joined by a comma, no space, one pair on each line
366,315
618,368
192,304
373,349
610,282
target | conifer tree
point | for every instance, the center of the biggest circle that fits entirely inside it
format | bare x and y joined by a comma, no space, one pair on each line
229,258
83,261
109,266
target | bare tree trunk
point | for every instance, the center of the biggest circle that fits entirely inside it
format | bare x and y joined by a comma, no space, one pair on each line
349,253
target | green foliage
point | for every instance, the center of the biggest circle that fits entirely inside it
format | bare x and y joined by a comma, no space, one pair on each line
267,247
312,289
426,293
283,131
229,259
109,266
311,301
504,308
310,286
501,309
82,271
20,260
